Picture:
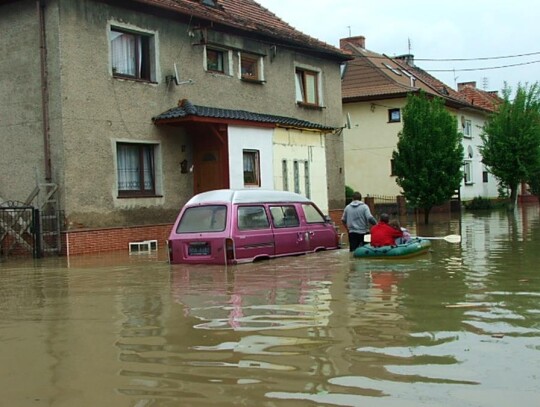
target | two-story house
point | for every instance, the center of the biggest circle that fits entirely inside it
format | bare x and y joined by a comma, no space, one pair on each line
374,89
118,112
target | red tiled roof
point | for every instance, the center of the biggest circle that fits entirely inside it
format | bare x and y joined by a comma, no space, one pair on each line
371,75
248,15
480,98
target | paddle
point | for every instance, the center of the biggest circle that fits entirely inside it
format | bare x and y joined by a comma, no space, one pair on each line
448,238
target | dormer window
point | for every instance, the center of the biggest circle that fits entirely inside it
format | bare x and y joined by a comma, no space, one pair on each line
209,3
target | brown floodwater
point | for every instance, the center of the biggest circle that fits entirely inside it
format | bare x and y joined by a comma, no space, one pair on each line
459,326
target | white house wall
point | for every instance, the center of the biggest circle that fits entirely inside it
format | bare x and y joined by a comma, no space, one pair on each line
476,186
370,141
369,144
250,138
301,147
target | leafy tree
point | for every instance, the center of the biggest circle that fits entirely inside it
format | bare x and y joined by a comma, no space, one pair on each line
511,139
429,153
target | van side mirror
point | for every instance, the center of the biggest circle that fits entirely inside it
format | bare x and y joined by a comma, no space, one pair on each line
327,219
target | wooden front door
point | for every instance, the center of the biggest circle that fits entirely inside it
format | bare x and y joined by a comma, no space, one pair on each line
208,171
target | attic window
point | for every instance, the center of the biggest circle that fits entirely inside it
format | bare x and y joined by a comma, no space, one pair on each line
444,91
209,3
392,69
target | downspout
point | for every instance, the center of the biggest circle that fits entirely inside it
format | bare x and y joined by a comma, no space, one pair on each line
40,5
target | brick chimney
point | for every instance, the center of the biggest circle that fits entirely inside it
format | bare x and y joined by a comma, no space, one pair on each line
407,58
359,41
461,85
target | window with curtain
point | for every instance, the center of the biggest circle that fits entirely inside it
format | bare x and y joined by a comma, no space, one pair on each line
251,167
249,67
307,87
130,54
136,172
215,60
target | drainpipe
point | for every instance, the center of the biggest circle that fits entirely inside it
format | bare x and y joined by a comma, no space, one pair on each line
40,5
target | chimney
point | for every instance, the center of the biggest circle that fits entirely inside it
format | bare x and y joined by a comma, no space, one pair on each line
359,41
461,85
407,58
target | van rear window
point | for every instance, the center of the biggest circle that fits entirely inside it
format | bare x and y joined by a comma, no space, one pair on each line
210,218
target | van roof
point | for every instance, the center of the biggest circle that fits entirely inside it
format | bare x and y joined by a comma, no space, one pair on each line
246,196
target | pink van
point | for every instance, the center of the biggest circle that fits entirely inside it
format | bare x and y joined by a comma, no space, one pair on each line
236,226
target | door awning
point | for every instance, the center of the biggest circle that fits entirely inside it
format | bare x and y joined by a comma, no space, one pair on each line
188,112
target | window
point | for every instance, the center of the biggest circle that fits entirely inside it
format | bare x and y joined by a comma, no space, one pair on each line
296,174
209,218
285,173
284,216
306,179
217,60
467,129
312,214
252,217
250,67
132,54
251,168
394,115
467,172
485,176
307,87
136,172
392,167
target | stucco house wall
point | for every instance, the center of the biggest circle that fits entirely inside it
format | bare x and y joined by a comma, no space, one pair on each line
90,111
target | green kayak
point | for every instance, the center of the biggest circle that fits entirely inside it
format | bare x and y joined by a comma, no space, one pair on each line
413,248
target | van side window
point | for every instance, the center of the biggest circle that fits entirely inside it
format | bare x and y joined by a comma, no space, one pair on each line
312,214
252,217
210,218
284,216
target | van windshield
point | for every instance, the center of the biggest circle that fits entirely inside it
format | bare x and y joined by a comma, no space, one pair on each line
209,218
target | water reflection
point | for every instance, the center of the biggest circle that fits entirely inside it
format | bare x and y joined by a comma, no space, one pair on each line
458,326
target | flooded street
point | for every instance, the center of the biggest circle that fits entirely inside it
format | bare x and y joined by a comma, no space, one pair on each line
457,327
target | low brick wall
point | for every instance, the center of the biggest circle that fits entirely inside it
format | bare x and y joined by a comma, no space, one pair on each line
91,241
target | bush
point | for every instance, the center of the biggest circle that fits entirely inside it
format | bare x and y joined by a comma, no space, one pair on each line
478,203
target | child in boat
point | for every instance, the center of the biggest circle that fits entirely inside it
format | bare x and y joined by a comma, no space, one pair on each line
406,235
382,234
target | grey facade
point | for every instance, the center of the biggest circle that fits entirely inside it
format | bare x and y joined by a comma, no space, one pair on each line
63,123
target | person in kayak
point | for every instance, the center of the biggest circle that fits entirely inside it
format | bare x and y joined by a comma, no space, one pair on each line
382,234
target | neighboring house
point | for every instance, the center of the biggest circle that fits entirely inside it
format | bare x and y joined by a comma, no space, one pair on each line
119,112
374,91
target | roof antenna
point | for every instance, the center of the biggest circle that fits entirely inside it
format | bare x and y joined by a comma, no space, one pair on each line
409,45
349,27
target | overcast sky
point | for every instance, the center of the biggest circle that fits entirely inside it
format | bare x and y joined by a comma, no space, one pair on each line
435,29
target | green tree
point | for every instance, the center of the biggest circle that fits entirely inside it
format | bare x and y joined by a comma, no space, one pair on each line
511,139
429,155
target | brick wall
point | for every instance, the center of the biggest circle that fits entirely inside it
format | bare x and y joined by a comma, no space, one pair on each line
89,241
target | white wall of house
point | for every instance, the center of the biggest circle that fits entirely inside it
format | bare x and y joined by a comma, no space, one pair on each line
300,164
250,138
369,144
476,182
372,138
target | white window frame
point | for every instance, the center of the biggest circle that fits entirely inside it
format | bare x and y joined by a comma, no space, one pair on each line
252,157
227,60
301,96
467,172
152,53
467,128
259,66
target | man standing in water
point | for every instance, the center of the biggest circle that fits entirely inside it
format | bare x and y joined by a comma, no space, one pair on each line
356,219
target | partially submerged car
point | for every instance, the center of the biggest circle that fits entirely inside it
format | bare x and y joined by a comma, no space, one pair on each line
236,226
